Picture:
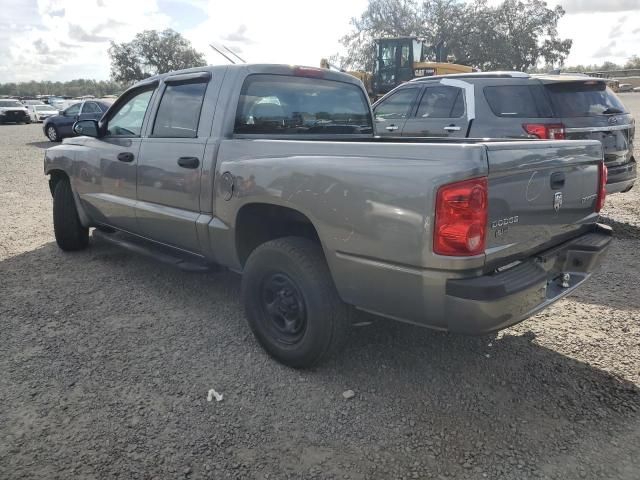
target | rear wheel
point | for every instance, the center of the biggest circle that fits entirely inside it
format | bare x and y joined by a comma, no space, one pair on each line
69,232
52,133
291,303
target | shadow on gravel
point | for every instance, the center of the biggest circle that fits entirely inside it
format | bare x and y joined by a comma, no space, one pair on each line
43,145
106,333
622,230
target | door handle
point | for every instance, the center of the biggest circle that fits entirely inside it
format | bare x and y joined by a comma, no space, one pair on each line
189,162
125,157
392,128
452,128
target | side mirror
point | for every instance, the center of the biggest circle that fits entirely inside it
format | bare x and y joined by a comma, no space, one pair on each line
86,127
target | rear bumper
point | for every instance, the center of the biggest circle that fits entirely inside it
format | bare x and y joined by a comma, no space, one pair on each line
492,302
621,177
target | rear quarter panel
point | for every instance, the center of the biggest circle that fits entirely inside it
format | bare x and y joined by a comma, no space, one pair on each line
365,199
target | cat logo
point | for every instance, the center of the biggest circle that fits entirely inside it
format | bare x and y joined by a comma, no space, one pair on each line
557,201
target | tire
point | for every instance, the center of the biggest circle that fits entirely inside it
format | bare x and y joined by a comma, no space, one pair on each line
52,133
69,232
27,121
308,295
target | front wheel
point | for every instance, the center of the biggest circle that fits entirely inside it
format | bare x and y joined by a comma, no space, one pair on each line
291,303
52,133
69,232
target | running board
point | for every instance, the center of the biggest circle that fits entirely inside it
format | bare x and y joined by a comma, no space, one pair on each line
161,253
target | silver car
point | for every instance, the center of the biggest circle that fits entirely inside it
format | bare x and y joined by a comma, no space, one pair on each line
39,113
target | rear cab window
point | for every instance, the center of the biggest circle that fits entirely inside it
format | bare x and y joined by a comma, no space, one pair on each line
583,99
285,105
518,101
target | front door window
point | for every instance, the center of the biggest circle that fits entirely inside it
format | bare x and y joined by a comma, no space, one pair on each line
127,120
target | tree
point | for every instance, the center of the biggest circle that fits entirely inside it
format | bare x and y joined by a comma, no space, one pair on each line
73,88
152,52
633,62
514,35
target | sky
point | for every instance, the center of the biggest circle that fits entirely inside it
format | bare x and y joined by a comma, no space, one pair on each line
67,39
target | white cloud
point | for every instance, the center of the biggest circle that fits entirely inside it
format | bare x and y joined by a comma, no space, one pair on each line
66,40
593,36
283,31
592,6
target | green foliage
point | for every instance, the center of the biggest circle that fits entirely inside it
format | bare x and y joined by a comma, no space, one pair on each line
74,88
632,63
514,35
152,52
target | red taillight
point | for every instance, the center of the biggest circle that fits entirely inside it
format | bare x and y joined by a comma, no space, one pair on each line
602,186
461,218
545,131
308,72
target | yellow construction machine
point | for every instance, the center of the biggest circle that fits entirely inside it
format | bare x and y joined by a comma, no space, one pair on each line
399,60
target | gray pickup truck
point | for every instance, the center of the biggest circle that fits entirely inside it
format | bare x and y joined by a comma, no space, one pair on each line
274,172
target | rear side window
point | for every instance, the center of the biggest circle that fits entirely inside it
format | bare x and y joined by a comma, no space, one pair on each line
179,111
279,104
441,102
398,105
518,101
583,99
91,107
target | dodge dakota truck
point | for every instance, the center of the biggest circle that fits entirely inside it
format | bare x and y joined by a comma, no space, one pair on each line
274,171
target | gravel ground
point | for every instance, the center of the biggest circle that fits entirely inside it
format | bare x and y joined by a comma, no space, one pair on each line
107,357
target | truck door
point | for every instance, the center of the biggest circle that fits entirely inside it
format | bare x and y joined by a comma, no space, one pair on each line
170,164
440,113
106,181
392,112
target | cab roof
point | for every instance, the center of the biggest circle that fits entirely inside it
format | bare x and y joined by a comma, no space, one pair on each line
264,68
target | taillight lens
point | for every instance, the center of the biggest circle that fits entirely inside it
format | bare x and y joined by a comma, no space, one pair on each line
461,218
602,186
545,131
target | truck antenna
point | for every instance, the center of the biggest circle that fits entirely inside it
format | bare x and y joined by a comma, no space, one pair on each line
222,54
234,54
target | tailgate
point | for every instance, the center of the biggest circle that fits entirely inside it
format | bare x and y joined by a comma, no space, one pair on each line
591,111
615,132
540,194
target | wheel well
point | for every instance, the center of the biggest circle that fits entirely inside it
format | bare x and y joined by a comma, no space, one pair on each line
259,223
54,177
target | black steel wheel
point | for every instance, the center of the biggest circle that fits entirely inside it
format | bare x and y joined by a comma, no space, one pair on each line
284,309
291,303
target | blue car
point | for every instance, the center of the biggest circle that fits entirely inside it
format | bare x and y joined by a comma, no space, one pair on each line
60,126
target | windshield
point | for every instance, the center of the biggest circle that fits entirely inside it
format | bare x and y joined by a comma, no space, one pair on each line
584,99
44,108
10,104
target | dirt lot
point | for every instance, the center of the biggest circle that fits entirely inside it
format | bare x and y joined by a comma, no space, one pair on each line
106,360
